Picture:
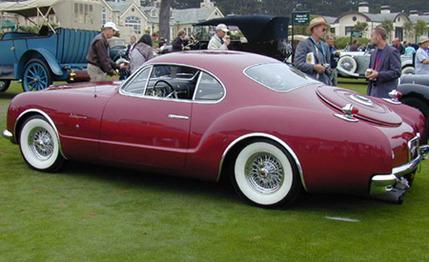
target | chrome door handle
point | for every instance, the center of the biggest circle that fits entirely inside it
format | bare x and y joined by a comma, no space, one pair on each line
12,48
172,116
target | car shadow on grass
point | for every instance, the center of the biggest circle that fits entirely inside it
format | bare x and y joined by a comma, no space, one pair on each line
217,191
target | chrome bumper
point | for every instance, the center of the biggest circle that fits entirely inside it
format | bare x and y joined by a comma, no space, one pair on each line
7,134
381,184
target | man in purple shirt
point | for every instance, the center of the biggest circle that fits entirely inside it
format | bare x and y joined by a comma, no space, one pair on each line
384,67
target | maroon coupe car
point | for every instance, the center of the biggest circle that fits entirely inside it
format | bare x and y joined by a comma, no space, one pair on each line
206,114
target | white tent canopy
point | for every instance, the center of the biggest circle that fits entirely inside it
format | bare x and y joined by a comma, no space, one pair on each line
79,14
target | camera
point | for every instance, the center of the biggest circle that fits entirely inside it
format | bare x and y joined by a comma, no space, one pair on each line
328,69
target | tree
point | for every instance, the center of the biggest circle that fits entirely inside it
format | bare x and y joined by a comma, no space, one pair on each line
420,28
409,29
388,26
164,19
361,27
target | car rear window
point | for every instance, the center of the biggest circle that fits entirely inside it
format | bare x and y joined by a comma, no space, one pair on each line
279,76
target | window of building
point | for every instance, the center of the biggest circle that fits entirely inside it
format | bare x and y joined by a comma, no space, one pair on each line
134,23
349,30
103,16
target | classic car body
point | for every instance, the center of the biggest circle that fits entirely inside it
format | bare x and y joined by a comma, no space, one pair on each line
51,54
414,91
355,64
206,114
117,49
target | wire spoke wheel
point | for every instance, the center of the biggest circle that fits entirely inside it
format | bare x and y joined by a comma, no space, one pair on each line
265,175
36,76
40,145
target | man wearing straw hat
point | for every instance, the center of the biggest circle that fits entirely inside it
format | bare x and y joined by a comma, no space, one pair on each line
312,56
422,57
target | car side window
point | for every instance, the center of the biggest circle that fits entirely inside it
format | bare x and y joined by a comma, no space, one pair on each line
172,82
209,89
137,84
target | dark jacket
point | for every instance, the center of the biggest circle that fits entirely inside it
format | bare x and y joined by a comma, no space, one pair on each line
300,62
388,72
98,55
178,44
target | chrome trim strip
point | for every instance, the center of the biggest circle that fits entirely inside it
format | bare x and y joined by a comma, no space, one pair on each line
124,93
173,116
45,115
7,134
276,139
392,101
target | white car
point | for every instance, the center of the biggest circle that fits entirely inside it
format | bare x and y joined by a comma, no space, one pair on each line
355,64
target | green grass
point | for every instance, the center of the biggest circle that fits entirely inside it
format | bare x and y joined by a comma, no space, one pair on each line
92,213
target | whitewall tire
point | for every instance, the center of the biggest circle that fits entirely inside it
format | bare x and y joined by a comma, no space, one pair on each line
39,144
265,175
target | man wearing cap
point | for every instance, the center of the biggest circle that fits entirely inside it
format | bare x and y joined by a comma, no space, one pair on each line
99,62
422,57
312,56
220,40
384,66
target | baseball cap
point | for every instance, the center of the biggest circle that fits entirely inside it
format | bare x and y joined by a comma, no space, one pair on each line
111,25
222,27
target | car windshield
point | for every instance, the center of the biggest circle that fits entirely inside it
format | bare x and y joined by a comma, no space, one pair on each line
279,76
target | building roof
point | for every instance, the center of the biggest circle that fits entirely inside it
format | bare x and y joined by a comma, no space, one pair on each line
330,19
119,7
181,16
420,17
374,17
192,15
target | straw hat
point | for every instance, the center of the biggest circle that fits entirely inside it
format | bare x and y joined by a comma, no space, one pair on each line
423,39
317,21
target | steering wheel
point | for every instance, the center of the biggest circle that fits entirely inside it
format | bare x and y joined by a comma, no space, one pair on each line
166,90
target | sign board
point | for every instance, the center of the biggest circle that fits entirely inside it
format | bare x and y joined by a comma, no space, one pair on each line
301,18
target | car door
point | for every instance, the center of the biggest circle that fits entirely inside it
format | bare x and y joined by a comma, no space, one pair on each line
143,127
8,59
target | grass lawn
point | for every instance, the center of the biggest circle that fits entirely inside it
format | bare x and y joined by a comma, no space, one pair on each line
92,213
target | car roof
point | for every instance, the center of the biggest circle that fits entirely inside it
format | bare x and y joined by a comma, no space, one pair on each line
214,61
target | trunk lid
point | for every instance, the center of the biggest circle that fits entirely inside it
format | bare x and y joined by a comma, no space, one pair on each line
369,109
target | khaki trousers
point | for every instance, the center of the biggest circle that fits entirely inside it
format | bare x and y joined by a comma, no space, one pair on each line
96,74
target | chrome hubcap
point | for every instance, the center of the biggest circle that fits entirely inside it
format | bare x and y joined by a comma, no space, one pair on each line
264,173
41,143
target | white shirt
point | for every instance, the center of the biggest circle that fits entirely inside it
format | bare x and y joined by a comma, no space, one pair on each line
216,44
421,55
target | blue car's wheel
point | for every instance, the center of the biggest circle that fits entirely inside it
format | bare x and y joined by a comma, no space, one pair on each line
36,76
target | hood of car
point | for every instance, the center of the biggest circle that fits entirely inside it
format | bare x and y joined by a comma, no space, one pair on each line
368,109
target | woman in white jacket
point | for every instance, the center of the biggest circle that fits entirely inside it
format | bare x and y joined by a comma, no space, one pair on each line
141,52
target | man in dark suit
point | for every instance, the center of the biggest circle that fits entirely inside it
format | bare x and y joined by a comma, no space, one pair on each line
384,67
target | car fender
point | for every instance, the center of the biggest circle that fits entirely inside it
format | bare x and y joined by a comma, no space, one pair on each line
317,149
417,90
40,53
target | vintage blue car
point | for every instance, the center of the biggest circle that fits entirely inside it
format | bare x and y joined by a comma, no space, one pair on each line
38,59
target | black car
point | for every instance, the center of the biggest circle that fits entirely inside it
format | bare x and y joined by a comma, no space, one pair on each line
415,93
117,48
260,34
